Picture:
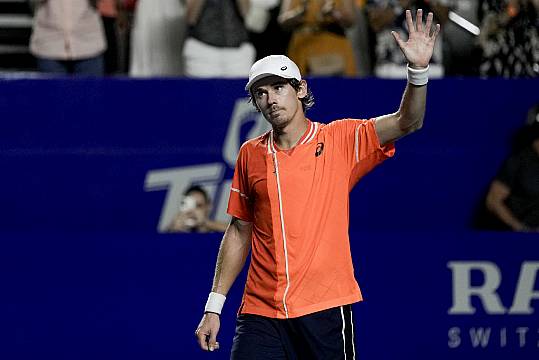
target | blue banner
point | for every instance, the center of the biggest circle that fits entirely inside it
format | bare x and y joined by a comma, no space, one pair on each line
115,155
428,295
93,172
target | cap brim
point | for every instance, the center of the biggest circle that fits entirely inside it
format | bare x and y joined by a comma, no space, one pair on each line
262,76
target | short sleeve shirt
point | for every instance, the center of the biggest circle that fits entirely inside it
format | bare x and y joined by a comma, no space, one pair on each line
298,202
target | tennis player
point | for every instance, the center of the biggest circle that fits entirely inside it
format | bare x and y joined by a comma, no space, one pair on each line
289,207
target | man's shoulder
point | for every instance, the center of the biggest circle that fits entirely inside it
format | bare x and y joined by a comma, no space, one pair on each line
256,144
346,123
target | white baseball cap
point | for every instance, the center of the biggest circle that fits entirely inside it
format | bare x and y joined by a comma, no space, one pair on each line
278,65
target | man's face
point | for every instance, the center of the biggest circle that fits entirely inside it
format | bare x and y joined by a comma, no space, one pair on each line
195,208
277,99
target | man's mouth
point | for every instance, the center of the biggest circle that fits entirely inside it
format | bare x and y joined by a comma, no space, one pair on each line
274,111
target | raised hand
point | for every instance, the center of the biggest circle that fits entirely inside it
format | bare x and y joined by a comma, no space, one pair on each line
418,48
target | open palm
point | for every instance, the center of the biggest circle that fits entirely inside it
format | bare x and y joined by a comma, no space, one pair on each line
418,48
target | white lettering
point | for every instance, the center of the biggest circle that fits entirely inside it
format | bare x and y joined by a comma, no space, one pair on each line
243,113
454,338
463,290
176,181
480,336
525,290
521,331
221,204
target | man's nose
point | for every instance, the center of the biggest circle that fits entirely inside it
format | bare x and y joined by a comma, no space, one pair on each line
272,99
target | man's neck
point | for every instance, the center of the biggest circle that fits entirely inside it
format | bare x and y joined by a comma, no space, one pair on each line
287,137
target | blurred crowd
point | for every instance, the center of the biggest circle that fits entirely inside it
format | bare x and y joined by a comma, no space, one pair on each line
222,38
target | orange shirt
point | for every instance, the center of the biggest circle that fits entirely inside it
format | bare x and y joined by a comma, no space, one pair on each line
298,203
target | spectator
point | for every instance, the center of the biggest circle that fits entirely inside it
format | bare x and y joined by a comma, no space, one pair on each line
509,38
386,16
157,38
265,32
109,11
460,45
319,45
68,37
359,37
194,213
218,42
513,197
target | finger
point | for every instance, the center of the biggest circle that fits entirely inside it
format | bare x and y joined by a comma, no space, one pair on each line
436,32
428,25
212,341
398,39
419,20
201,338
409,22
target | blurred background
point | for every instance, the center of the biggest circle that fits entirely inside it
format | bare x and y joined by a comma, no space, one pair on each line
120,123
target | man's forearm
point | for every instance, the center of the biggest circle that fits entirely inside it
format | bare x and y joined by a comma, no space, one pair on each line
507,216
407,119
495,202
233,252
194,8
412,108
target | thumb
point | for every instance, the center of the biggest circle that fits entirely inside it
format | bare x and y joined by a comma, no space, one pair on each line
398,39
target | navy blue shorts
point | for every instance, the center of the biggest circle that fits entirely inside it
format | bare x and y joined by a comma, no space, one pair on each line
325,335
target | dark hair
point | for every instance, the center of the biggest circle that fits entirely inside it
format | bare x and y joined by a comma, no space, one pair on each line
525,136
307,102
199,189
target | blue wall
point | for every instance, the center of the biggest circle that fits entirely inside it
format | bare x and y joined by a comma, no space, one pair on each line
140,296
75,154
89,165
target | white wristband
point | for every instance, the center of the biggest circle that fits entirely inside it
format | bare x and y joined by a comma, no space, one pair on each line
418,77
215,303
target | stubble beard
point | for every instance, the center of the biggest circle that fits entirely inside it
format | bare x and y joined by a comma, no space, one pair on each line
280,121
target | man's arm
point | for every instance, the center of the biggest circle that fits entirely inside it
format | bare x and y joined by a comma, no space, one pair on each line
495,202
233,252
290,16
418,51
193,10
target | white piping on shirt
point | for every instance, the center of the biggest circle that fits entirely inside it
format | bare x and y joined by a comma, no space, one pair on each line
276,164
311,127
357,143
312,133
239,192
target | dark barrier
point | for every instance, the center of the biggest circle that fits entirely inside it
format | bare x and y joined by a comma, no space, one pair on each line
115,155
428,295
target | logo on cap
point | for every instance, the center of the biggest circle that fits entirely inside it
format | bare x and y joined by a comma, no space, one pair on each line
284,68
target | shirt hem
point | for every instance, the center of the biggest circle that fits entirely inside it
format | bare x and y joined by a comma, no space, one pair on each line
306,310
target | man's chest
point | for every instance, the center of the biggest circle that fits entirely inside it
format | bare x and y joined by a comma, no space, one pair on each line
299,173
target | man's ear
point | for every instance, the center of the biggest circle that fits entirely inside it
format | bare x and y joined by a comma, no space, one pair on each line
302,92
